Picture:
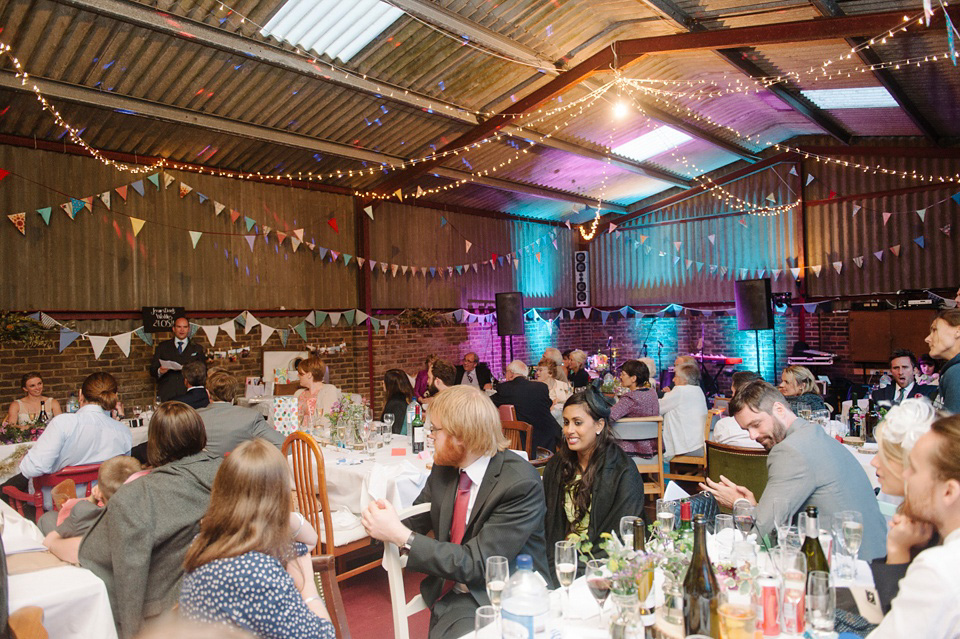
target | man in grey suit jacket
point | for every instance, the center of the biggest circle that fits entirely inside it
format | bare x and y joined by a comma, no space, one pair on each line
485,501
806,467
227,425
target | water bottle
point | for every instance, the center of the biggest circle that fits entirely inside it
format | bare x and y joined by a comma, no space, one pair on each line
526,603
72,404
411,412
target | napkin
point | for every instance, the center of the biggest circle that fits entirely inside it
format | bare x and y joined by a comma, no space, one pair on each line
19,534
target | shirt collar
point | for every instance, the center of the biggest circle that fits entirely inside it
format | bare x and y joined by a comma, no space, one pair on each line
477,470
906,390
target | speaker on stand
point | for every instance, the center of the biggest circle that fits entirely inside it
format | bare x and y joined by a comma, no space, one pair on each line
754,309
581,278
509,321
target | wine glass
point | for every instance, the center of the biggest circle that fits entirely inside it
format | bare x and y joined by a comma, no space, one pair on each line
497,572
791,538
598,581
821,602
666,518
782,514
388,420
852,531
565,560
793,569
725,535
744,516
626,531
485,623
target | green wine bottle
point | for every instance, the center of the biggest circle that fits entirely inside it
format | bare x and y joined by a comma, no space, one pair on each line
811,547
700,589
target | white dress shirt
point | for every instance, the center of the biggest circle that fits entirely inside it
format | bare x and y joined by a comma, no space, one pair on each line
181,344
470,378
475,472
926,605
684,411
727,431
87,436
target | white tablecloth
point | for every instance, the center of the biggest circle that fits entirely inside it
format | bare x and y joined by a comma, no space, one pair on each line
864,456
74,600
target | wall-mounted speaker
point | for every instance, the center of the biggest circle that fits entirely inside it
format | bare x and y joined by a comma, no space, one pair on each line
754,305
509,314
581,278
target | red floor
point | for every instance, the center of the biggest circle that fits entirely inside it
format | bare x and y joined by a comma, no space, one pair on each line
366,598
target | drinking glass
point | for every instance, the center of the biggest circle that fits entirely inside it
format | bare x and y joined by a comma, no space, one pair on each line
598,581
793,570
738,616
388,419
666,516
851,529
565,560
498,570
821,602
378,428
782,514
371,437
725,535
744,516
485,623
626,531
791,538
744,556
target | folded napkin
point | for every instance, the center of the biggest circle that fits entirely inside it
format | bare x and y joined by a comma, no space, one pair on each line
19,534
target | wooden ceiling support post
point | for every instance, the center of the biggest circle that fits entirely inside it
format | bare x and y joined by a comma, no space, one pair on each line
364,287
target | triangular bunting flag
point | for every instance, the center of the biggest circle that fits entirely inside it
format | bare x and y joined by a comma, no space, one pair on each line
211,333
284,335
320,317
699,266
250,240
677,245
443,221
644,238
838,266
369,211
203,198
776,273
832,194
333,255
361,317
688,263
167,180
360,262
372,264
234,215
195,237
399,194
676,258
538,258
713,268
218,208
611,228
886,217
98,342
19,220
298,233
123,341
137,225
795,272
265,333
468,246
311,317
147,338
743,274
856,209
919,241
946,230
230,328
155,180
858,261
375,323
723,271
105,198
712,238
122,192
923,214
68,209
878,255
184,189
895,250
742,221
301,330
322,252
249,222
810,179
249,322
419,191
793,171
771,198
334,318
295,243
955,197
280,236
332,222
45,214
138,187
67,337
393,269
816,269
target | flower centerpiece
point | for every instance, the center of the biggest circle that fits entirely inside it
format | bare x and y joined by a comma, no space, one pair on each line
346,422
21,433
23,329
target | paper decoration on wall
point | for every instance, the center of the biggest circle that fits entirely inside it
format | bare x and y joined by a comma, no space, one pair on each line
249,322
45,214
67,337
923,214
333,224
265,333
895,250
19,220
105,198
211,333
886,217
137,225
195,237
123,341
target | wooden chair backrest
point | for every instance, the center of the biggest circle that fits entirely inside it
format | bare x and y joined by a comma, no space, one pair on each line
519,435
281,390
325,573
306,455
508,413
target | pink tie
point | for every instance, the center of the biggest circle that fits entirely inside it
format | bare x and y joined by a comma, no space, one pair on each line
459,525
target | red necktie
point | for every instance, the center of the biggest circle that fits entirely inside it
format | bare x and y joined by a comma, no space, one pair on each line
459,525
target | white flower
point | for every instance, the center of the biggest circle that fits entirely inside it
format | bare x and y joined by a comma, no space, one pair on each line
904,424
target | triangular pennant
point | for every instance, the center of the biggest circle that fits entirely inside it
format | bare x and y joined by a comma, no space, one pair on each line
138,187
4,173
699,266
811,307
322,252
858,261
419,191
677,245
403,269
311,317
375,323
67,337
475,269
816,269
886,217
320,317
955,197
234,215
538,258
369,211
688,263
372,264
443,221
433,272
249,322
122,192
284,335
946,229
361,317
137,225
923,214
301,330
218,208
230,328
795,272
334,318
298,233
398,194
554,240
919,241
895,250
19,220
771,198
195,237
776,273
87,203
603,316
713,268
105,198
712,238
155,180
332,222
393,269
68,209
265,333
810,179
249,222
280,236
167,180
360,262
676,258
250,240
856,209
832,194
878,255
838,266
145,337
98,342
468,245
184,189
123,341
211,333
295,243
611,228
743,274
333,255
793,171
742,221
202,198
45,214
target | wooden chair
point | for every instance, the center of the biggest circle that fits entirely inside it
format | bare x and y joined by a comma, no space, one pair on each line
314,505
325,575
400,607
281,390
85,474
743,466
636,428
27,623
519,435
508,413
695,463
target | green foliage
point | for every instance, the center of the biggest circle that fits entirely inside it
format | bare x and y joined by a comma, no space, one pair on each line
19,328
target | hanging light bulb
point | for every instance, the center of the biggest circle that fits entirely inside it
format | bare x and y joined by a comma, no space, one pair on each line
621,109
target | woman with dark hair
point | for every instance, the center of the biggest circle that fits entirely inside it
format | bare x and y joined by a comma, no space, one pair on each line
239,566
26,410
399,394
928,371
421,384
944,343
640,400
590,483
138,544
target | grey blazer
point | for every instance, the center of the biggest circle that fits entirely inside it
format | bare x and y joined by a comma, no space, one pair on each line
810,468
138,544
228,426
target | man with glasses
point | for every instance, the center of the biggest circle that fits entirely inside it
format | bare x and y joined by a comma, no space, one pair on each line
474,373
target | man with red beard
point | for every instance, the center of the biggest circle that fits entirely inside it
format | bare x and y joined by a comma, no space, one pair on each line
926,605
805,467
485,500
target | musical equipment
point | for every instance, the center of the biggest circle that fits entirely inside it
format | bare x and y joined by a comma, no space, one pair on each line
509,314
717,359
710,383
581,278
754,305
812,358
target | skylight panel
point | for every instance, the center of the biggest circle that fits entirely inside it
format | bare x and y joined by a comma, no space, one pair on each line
860,98
653,143
335,28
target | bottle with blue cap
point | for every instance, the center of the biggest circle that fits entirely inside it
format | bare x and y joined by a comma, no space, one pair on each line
526,603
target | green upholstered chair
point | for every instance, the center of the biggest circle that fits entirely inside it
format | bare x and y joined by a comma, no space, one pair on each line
743,466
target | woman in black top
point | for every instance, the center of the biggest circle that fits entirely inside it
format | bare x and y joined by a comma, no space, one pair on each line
399,394
577,371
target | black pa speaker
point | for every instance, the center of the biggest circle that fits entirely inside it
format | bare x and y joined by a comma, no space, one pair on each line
754,305
509,314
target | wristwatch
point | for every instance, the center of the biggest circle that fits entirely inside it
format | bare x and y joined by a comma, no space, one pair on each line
405,548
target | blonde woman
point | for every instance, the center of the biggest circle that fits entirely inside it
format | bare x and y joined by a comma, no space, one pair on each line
244,569
799,387
578,376
549,373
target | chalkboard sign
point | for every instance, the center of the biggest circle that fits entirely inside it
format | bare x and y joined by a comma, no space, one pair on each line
157,319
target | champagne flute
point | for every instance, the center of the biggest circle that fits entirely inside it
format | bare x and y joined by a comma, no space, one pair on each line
744,516
565,560
792,538
851,532
626,531
498,570
666,517
598,581
821,602
725,535
388,419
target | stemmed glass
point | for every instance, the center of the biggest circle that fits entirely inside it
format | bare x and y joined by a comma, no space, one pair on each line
848,531
598,581
725,540
667,518
626,531
821,602
791,538
744,516
565,560
388,419
498,570
782,515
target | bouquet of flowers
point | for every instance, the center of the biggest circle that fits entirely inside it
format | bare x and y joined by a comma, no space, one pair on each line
346,420
17,434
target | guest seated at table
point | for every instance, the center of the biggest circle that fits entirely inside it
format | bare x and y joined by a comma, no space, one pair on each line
318,400
87,436
421,384
727,430
549,373
497,506
195,377
66,527
944,343
442,376
903,369
640,400
926,605
578,375
799,386
684,411
138,545
399,394
559,359
25,411
805,466
226,425
531,400
237,567
590,483
928,371
900,429
475,373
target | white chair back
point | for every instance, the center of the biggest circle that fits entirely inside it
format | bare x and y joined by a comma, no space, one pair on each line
633,428
400,607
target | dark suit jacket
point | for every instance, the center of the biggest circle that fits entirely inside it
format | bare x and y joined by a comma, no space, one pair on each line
171,384
532,401
195,397
484,376
507,520
889,393
228,426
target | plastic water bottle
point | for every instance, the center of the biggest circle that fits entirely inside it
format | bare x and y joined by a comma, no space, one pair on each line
73,405
526,603
411,413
